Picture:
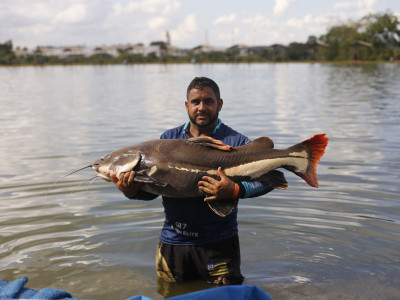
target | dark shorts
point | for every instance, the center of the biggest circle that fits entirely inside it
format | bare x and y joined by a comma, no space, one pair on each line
217,263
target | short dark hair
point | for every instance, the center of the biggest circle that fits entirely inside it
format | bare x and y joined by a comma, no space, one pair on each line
202,82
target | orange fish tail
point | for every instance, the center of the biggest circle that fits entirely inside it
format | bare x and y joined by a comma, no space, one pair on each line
316,146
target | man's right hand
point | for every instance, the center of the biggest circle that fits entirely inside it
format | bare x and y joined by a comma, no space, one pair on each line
126,184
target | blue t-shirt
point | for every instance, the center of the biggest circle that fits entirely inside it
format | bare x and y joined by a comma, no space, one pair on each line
191,221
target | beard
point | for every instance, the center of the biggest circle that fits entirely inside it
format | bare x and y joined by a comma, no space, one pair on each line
211,119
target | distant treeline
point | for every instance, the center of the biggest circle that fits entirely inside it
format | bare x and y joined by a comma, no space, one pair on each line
375,37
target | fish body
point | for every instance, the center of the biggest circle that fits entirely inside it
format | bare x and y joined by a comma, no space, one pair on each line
173,168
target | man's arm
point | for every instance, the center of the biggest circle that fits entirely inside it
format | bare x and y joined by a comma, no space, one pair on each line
224,188
252,189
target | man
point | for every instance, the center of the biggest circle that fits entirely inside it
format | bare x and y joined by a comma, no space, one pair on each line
195,242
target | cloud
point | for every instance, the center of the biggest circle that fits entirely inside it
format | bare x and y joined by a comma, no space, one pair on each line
163,7
38,29
29,11
259,21
360,4
39,22
73,14
281,6
225,19
156,22
170,7
307,25
301,23
356,8
185,30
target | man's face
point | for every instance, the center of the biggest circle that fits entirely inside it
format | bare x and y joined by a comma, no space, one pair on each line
203,107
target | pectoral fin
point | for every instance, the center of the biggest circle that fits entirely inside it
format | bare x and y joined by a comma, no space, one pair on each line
125,163
275,179
223,207
148,179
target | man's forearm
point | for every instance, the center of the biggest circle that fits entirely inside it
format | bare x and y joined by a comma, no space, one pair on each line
251,189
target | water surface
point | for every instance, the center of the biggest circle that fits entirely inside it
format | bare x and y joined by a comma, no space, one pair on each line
339,241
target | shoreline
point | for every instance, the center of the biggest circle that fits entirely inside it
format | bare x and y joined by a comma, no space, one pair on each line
349,62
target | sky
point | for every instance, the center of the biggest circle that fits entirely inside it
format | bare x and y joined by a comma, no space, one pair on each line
220,23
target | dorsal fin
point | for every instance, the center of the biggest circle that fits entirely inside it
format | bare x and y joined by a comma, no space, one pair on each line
265,141
207,141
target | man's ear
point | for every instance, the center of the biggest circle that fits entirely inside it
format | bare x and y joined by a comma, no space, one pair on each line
187,106
220,103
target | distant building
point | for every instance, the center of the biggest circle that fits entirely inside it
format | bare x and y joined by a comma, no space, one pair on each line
175,51
277,52
201,49
62,51
21,52
257,50
205,48
75,50
238,50
359,50
110,50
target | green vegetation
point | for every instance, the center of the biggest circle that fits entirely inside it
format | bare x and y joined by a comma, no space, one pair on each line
375,37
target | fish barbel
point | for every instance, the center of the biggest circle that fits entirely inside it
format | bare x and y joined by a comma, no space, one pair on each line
172,168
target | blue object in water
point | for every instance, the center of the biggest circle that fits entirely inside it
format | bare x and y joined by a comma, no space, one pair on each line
232,292
16,290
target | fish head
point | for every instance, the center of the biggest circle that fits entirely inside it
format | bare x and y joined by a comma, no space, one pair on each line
117,162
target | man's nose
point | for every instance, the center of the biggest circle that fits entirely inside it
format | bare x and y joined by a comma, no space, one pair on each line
202,105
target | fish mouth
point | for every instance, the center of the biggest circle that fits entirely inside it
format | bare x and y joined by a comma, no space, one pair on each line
104,177
100,172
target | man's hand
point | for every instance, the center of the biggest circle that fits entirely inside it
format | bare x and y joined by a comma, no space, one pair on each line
126,184
222,189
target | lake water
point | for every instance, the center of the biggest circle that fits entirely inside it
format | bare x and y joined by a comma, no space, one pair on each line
341,240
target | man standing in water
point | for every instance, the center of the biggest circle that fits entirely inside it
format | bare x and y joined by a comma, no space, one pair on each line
196,243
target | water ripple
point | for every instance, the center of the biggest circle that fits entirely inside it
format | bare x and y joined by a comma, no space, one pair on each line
338,241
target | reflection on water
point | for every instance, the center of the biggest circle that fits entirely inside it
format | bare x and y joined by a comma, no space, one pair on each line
340,240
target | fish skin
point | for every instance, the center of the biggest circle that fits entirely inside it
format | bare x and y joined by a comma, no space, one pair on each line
172,168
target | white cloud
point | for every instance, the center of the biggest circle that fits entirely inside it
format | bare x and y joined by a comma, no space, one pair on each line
38,29
156,22
28,11
259,21
40,22
163,7
355,8
225,19
72,14
360,4
185,30
345,5
171,7
281,6
301,23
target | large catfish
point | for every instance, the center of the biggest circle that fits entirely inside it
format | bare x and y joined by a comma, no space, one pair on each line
173,168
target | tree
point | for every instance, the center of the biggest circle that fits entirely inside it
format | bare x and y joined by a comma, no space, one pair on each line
383,31
340,38
297,51
7,55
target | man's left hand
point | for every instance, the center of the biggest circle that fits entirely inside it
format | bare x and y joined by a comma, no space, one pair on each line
221,189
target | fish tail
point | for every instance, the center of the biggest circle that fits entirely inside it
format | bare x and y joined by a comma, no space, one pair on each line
316,148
